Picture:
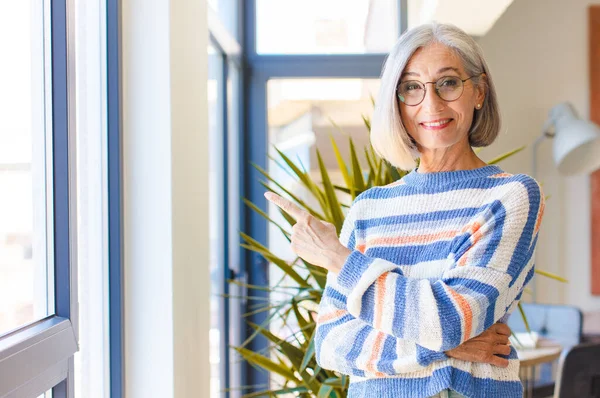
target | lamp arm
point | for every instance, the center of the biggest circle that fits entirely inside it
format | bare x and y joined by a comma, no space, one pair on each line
534,149
536,144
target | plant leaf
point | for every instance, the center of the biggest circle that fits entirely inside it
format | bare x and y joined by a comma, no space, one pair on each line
367,122
332,201
506,155
266,363
325,391
294,354
341,163
266,216
551,275
310,353
304,178
290,194
304,324
285,267
359,181
524,317
288,390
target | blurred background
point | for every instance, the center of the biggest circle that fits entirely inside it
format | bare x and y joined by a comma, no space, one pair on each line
170,107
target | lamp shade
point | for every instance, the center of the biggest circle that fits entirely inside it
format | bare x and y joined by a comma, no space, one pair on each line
576,141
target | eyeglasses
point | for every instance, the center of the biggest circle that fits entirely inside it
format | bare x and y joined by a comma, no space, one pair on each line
448,88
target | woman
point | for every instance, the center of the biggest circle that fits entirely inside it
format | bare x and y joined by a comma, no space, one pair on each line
427,269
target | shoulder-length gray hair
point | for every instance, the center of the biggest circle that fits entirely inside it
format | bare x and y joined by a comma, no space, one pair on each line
389,138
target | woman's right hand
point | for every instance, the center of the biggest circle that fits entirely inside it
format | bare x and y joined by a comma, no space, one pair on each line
485,347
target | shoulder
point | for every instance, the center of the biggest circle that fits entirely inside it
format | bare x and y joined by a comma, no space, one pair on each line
523,186
515,186
376,193
521,194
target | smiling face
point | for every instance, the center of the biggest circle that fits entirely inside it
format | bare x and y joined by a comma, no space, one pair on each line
436,125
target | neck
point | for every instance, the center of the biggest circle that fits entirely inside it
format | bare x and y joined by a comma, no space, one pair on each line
449,160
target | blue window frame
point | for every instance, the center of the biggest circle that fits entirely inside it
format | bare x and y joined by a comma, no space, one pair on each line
260,69
244,102
115,227
51,342
226,74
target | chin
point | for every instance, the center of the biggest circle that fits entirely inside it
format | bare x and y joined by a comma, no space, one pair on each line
439,144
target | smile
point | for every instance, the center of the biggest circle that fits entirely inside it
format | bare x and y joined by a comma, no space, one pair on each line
437,125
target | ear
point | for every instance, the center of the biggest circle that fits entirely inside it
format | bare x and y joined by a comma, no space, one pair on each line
481,89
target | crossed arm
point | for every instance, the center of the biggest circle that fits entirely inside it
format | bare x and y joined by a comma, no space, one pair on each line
373,352
371,303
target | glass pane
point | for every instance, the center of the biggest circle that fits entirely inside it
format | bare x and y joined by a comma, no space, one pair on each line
325,27
477,21
216,201
25,166
47,394
301,113
227,10
236,319
92,361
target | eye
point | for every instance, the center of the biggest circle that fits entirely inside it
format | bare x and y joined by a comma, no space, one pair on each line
449,82
410,86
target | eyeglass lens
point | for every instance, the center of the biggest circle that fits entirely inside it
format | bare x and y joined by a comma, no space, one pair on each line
412,92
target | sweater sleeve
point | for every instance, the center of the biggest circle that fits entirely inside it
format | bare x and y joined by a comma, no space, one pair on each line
491,262
350,345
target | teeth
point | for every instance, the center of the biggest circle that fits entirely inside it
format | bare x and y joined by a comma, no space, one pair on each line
435,124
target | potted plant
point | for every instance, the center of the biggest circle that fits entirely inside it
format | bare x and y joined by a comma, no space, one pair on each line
291,358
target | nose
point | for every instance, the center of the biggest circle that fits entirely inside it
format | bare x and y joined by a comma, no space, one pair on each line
432,102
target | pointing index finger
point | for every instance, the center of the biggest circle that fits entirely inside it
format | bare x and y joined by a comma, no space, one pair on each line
286,205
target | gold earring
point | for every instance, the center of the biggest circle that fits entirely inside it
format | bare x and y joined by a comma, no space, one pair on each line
478,106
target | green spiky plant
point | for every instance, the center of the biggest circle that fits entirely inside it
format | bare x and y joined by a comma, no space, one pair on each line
292,359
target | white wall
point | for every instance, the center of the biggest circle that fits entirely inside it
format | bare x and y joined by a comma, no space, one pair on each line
538,55
165,162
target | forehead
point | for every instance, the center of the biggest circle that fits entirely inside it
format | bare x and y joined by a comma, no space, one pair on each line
427,61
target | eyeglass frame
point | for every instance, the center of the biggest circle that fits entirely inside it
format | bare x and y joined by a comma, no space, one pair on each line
436,90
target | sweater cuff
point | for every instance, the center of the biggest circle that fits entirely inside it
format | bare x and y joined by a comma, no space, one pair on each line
426,357
353,269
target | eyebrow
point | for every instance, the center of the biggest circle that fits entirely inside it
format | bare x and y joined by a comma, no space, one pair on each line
445,69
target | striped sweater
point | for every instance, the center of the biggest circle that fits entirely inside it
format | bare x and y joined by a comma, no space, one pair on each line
437,258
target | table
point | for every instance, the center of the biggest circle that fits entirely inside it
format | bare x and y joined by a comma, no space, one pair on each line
546,352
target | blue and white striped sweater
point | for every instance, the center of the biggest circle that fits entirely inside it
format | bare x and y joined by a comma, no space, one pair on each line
437,259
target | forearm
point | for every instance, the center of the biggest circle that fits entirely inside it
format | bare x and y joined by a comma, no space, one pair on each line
470,299
351,346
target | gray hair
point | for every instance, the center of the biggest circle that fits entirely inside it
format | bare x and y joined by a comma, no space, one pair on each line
389,138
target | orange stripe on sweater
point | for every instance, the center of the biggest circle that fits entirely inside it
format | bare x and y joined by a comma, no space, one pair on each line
379,299
475,230
377,346
465,308
402,240
471,228
499,175
538,221
463,259
331,315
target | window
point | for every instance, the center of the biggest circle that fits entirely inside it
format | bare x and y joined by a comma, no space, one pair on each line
325,27
480,17
227,12
301,117
296,85
91,362
25,168
301,113
38,322
224,99
216,131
